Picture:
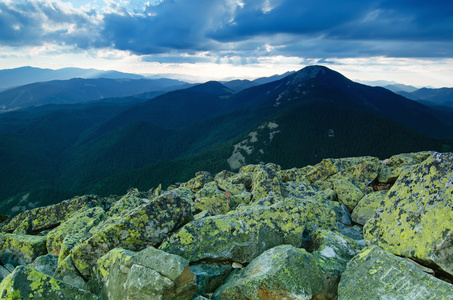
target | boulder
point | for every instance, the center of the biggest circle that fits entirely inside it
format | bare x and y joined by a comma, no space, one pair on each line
417,216
3,272
132,199
141,227
27,283
46,264
347,193
294,174
361,173
244,178
243,234
355,167
25,227
67,272
232,188
51,216
378,274
221,203
75,229
332,252
210,276
21,249
217,204
283,272
266,182
197,183
368,206
148,274
408,158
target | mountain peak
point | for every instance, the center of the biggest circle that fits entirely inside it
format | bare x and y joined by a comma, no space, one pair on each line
316,71
212,87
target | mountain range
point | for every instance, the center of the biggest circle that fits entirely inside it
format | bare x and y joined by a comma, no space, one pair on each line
25,75
52,152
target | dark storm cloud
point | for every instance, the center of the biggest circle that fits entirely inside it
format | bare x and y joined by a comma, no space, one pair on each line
245,28
31,23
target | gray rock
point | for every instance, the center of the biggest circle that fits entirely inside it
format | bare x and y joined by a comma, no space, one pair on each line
378,274
283,272
46,264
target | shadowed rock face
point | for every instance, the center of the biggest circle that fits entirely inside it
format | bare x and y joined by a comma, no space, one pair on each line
260,233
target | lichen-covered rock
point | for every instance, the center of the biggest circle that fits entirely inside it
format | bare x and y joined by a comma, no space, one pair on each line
3,272
340,210
67,272
197,183
407,158
207,192
359,170
367,207
355,232
141,227
361,174
21,249
25,227
283,272
27,283
244,178
184,194
132,199
417,216
203,214
217,204
50,216
322,170
266,182
221,203
332,252
223,175
232,188
210,276
76,227
148,274
347,193
378,274
243,234
46,264
298,189
294,174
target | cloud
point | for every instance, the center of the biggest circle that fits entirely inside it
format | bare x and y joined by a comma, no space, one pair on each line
174,30
34,23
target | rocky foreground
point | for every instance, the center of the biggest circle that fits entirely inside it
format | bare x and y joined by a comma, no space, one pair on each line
349,228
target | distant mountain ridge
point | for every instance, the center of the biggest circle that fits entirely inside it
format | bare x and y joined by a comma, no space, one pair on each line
428,96
80,90
55,151
25,75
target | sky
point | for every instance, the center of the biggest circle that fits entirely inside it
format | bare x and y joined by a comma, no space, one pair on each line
406,41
